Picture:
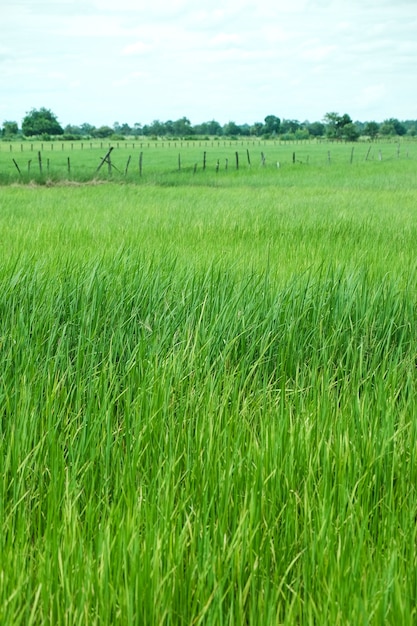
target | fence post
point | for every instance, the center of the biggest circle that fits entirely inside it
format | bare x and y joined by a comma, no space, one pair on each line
17,167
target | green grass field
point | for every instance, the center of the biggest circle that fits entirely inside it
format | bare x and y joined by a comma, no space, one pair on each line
208,390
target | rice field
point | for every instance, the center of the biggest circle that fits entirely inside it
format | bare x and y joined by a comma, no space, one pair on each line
208,396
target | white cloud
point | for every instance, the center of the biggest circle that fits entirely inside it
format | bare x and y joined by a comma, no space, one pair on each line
231,59
315,52
137,48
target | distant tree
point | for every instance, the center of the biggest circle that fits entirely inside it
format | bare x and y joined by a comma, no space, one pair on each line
349,132
316,129
102,132
410,127
231,129
272,124
244,129
125,129
340,127
122,129
257,129
392,127
157,128
41,121
182,127
87,129
289,126
10,129
70,129
137,129
214,128
332,121
302,133
371,130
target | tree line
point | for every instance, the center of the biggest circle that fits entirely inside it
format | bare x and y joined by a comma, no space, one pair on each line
43,124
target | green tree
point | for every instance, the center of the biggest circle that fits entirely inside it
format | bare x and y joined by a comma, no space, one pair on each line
231,129
214,128
87,129
371,130
10,129
41,121
289,126
71,129
257,129
157,128
102,132
272,124
316,129
182,127
137,129
340,127
349,132
392,127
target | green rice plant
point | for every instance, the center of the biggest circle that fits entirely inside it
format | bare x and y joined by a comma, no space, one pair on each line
207,401
180,448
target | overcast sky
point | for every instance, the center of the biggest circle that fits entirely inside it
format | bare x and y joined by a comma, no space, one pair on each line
101,61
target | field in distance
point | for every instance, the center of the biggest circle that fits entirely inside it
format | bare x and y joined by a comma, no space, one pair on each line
165,161
208,389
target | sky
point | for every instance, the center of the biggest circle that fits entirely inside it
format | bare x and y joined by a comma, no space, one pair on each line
131,61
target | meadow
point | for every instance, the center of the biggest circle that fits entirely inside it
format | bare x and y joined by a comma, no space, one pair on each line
208,384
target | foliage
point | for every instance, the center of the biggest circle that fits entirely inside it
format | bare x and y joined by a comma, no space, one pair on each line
41,121
392,127
316,129
272,125
340,127
102,132
10,129
371,129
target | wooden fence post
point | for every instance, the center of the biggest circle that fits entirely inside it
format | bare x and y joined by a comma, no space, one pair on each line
17,167
104,159
40,161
